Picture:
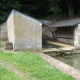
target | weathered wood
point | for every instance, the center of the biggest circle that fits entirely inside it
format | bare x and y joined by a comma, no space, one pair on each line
65,35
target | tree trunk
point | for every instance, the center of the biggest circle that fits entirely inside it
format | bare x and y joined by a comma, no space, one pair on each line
70,8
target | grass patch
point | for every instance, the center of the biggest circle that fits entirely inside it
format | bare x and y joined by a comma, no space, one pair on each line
0,44
7,75
34,66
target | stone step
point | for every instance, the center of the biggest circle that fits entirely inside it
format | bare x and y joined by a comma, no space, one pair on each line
8,46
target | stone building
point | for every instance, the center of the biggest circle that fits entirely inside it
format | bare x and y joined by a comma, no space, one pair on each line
24,32
3,31
67,31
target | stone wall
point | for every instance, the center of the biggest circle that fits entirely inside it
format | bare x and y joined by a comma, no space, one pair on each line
77,36
24,32
10,28
45,33
3,31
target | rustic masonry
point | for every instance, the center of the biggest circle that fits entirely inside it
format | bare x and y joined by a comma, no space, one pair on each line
3,31
8,46
67,31
24,32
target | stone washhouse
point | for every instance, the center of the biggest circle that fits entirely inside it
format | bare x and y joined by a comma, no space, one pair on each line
25,32
67,31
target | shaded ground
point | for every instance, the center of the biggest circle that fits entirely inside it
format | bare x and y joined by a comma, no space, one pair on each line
56,47
49,45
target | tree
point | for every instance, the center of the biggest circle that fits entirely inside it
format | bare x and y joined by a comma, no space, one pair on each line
6,6
70,8
55,8
40,8
35,8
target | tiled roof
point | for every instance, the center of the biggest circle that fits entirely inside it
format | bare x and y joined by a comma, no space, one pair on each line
65,23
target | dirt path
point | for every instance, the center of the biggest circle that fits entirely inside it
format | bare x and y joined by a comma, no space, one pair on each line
14,70
62,66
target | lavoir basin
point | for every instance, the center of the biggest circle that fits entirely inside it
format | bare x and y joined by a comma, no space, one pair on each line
70,59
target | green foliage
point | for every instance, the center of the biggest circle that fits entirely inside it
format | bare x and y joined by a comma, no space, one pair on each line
7,75
55,8
39,8
34,66
56,11
6,6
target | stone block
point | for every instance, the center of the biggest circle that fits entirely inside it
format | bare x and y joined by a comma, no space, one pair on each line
9,46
